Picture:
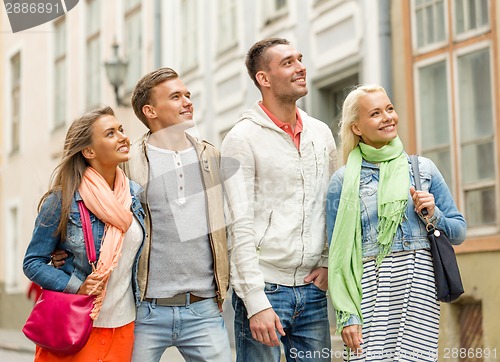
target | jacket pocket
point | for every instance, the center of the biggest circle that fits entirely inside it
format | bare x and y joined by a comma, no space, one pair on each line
268,226
367,187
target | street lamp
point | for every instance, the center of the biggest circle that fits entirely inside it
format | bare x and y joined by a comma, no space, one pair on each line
116,71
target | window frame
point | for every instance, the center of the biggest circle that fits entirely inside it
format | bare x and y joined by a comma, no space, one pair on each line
13,238
482,229
443,57
224,9
60,59
92,36
433,46
189,38
14,132
133,13
470,33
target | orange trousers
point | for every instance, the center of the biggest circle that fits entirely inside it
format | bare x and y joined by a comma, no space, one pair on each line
104,345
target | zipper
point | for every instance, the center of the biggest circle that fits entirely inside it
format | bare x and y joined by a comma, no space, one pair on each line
302,223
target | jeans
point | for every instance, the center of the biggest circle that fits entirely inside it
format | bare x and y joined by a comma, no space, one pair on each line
197,330
304,316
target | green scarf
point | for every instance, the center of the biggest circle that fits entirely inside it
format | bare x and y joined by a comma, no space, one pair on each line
345,268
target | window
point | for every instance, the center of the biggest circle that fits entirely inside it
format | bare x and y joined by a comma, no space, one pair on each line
60,74
435,140
472,96
477,137
189,35
15,100
336,97
280,4
331,98
93,96
226,26
274,9
471,15
430,22
133,43
13,257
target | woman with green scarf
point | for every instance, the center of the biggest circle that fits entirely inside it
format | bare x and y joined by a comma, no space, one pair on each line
381,278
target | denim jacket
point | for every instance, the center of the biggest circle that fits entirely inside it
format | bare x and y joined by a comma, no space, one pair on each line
411,234
70,276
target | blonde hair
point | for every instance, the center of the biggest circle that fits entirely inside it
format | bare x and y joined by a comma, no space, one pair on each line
350,114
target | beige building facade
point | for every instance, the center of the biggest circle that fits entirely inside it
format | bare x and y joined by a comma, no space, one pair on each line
55,72
446,63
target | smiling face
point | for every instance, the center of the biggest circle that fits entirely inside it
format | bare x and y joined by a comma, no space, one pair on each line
377,122
285,75
170,106
110,146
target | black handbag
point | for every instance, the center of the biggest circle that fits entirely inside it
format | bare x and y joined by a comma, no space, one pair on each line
446,273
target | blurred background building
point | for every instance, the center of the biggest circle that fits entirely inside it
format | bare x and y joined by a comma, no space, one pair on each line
438,60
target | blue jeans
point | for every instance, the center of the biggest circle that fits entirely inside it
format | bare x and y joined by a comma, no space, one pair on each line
197,330
304,316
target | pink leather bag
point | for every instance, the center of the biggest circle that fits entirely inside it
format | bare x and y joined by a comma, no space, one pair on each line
60,322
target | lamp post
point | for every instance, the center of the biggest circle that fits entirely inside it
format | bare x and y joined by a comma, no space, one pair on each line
116,71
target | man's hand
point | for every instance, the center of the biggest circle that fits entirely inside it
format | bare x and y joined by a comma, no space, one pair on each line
264,325
319,277
352,337
92,285
57,258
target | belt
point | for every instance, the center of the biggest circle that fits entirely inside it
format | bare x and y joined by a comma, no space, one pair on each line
178,300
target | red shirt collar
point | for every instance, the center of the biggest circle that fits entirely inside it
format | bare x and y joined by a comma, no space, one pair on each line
295,133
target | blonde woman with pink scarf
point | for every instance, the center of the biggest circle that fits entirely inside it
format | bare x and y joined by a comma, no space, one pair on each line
94,147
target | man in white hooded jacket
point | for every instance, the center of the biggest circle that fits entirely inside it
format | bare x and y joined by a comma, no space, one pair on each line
278,246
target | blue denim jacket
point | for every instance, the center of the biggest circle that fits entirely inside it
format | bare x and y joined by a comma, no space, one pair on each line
69,277
411,235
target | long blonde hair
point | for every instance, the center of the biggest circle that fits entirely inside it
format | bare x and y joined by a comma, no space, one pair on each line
68,174
350,114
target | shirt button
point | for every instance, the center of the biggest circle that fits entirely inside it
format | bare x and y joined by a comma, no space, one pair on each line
180,188
406,243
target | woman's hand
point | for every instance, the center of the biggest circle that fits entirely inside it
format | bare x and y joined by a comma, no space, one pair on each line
352,337
91,286
423,200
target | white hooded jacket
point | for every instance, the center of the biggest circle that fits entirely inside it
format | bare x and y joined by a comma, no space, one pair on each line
276,199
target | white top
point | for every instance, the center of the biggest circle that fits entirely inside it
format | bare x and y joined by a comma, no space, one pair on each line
118,308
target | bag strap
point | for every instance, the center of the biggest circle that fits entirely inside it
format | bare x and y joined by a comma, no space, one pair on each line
416,176
87,232
416,172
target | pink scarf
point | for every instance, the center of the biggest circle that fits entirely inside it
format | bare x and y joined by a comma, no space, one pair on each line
112,208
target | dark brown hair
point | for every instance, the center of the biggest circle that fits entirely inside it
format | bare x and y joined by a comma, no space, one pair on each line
256,59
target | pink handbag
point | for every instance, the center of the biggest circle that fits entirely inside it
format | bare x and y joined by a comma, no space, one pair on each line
60,322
